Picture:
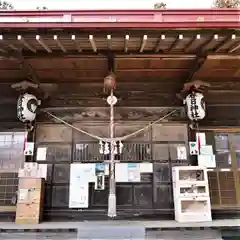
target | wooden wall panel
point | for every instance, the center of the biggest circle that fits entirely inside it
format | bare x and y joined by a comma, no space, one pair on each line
101,130
170,132
53,133
124,129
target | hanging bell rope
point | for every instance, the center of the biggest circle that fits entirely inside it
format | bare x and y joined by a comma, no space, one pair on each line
107,139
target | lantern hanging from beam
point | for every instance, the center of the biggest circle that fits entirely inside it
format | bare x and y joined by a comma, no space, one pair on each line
195,106
26,107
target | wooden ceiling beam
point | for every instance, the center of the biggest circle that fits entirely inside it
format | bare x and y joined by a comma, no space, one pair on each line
223,57
230,92
160,99
61,68
102,71
25,66
100,53
198,63
218,82
152,70
158,85
103,53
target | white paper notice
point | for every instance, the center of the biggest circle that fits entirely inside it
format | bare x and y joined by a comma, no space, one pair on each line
206,150
29,149
134,172
207,161
41,153
127,172
78,196
23,194
121,172
146,167
181,152
81,173
42,169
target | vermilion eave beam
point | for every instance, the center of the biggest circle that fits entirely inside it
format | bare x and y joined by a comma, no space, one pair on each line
114,19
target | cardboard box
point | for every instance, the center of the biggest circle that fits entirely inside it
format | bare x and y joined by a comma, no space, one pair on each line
30,173
33,170
31,183
27,221
28,211
30,200
30,195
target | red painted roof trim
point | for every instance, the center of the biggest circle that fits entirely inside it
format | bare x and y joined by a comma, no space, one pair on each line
174,18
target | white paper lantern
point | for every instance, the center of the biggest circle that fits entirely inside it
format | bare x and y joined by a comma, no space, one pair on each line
26,107
195,106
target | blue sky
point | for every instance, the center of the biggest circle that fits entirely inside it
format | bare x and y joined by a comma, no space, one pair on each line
108,4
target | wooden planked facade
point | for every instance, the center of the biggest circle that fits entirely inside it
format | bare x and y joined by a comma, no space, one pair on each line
68,61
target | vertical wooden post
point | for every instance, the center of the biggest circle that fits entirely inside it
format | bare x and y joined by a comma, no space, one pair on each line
234,168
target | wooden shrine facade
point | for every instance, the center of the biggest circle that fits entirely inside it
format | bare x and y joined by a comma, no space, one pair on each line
67,54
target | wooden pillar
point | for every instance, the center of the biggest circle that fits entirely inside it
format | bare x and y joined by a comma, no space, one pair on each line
234,167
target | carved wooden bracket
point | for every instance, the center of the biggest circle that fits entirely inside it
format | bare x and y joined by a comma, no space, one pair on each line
195,85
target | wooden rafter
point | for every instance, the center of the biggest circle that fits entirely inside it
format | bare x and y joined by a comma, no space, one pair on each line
55,37
143,44
207,42
224,42
126,40
25,43
3,42
192,41
44,45
109,41
175,42
234,48
79,49
136,44
93,43
158,45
